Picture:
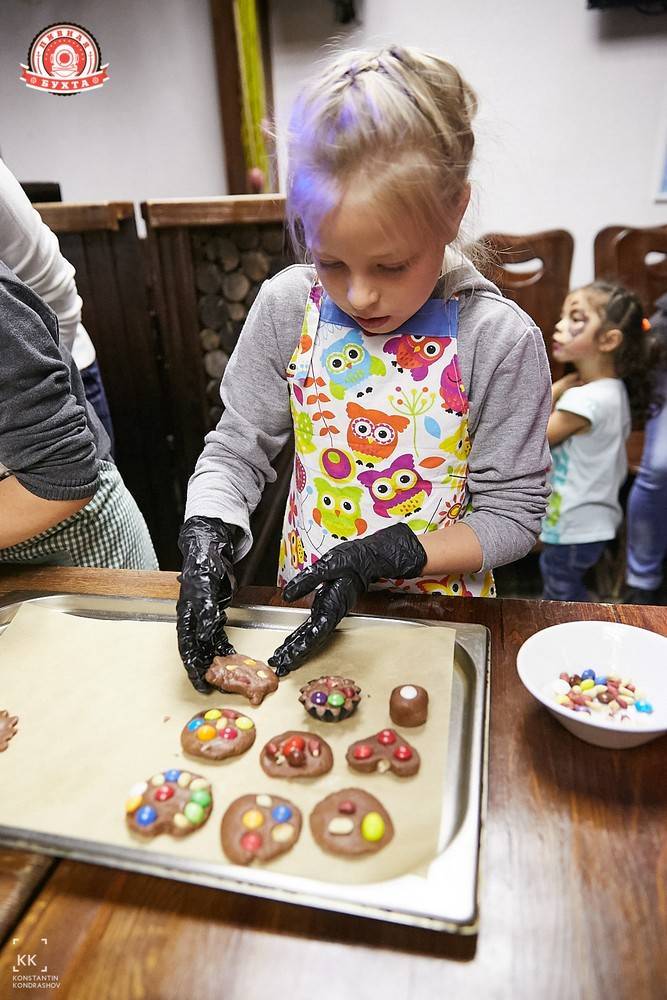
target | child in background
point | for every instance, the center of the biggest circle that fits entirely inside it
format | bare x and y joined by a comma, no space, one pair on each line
62,499
603,333
417,394
647,500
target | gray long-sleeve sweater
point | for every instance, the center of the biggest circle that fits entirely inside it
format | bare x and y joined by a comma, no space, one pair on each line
506,375
50,439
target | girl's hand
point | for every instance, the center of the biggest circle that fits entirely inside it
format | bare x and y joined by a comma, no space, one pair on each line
207,586
342,575
563,384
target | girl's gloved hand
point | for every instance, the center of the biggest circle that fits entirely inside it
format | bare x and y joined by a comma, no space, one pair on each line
343,575
207,587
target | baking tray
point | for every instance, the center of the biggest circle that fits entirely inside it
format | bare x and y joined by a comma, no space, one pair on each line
445,899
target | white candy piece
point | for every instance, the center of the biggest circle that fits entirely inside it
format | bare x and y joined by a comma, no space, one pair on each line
408,692
341,825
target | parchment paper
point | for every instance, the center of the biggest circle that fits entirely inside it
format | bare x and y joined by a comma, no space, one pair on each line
101,705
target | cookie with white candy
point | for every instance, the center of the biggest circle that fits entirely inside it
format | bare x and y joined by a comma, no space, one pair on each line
351,822
296,754
384,751
172,801
259,828
239,674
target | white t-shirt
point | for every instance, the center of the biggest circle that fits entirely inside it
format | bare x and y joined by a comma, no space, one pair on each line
32,251
589,468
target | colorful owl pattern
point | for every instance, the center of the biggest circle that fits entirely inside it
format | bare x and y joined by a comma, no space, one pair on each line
381,435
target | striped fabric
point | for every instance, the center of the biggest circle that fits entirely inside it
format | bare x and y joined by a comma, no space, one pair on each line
108,532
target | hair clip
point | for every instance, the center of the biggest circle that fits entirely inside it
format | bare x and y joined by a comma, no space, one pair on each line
646,325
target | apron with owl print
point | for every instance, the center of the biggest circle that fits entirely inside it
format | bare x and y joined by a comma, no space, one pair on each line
381,435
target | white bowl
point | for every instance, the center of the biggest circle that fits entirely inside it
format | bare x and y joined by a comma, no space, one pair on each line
609,648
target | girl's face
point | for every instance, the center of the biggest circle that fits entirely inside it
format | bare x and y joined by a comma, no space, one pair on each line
378,275
576,335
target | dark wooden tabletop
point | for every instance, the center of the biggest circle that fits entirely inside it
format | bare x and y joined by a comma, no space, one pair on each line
573,898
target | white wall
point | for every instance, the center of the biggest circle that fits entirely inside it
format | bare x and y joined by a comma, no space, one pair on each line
573,102
152,131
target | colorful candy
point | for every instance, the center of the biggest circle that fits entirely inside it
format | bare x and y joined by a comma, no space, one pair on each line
608,698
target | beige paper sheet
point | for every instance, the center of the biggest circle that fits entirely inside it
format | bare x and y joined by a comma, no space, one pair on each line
101,705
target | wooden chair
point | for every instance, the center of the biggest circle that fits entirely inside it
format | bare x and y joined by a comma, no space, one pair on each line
101,241
534,271
620,254
207,262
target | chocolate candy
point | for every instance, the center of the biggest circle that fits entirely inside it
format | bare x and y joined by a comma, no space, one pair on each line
607,698
408,705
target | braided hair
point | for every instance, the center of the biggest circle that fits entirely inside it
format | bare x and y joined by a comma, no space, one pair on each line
396,122
640,354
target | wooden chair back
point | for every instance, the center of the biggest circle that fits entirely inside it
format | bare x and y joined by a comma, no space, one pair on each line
637,267
101,241
207,262
622,255
534,270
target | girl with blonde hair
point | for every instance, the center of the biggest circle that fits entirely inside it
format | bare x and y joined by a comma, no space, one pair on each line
418,395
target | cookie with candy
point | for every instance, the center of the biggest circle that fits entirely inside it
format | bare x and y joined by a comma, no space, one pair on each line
296,755
239,674
218,733
384,751
351,822
259,828
330,698
172,801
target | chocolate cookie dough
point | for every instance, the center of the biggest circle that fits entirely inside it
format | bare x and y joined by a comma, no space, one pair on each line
408,705
351,822
331,698
173,801
259,828
385,751
8,726
296,755
238,674
218,733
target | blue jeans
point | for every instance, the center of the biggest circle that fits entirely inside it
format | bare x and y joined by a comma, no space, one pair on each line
563,568
647,505
97,397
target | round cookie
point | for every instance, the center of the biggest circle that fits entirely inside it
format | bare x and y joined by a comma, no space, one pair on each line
408,705
385,751
351,822
296,755
217,733
259,828
330,698
239,674
172,801
8,726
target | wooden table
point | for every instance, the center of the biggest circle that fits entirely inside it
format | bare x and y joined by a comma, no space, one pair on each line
573,897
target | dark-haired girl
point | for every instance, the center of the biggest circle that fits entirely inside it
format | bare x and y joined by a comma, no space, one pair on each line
603,334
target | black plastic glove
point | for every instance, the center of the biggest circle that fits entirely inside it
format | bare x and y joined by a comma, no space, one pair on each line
344,573
207,587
